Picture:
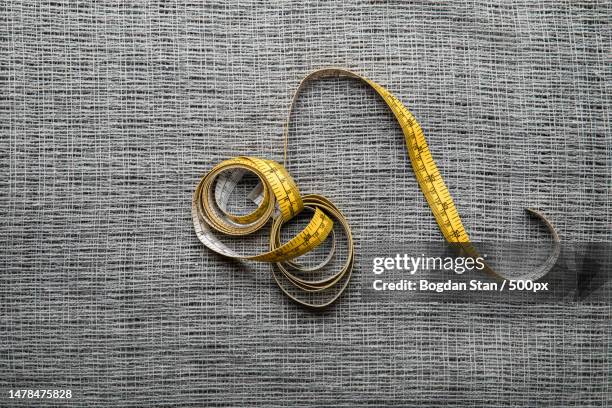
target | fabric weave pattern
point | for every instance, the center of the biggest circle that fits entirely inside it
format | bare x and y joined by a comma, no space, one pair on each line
112,111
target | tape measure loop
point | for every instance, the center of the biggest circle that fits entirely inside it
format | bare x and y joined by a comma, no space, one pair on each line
334,284
277,191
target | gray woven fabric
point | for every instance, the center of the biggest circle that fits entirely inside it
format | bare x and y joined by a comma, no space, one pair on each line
111,112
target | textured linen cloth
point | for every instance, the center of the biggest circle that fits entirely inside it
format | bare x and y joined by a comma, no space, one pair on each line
111,111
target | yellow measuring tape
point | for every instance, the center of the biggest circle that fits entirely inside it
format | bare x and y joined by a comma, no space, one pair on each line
278,198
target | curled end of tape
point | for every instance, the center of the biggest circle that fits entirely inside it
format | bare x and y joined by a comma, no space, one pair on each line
552,259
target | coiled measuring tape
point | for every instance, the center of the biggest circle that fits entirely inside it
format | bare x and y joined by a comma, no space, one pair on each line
278,199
